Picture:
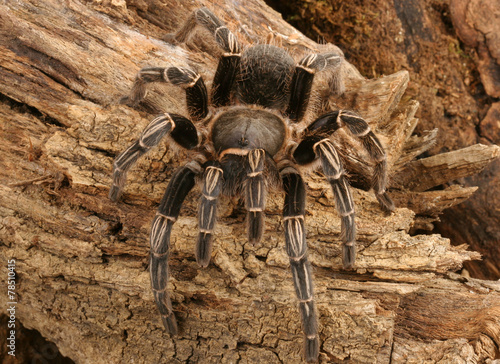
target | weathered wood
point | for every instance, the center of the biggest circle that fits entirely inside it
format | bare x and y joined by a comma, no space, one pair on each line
476,22
431,203
81,259
430,172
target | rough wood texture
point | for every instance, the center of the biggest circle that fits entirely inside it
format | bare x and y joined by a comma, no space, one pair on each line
81,260
477,26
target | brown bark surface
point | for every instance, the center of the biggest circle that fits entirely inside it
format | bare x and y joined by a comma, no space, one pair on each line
81,260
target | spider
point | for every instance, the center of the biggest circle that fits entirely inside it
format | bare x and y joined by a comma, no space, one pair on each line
248,139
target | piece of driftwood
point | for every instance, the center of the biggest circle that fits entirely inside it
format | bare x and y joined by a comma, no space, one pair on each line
81,260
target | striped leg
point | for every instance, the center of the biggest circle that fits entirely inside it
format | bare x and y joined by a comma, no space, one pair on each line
296,247
196,92
332,168
207,215
230,60
182,131
224,78
181,183
330,122
302,81
360,129
255,194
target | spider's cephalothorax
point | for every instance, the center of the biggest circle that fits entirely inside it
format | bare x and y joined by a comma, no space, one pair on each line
258,97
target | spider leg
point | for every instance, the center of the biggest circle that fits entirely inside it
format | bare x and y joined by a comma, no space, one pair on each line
296,248
330,122
180,184
207,215
334,172
302,80
182,130
224,78
316,147
230,60
255,194
192,82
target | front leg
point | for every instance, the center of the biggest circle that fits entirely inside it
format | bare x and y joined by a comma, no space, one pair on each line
314,147
182,130
330,122
296,248
255,194
335,174
207,213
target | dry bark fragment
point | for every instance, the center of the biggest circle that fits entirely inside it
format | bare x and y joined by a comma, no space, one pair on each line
424,174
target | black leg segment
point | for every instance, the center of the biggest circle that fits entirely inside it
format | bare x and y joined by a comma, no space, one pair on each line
182,131
179,186
226,40
322,148
360,129
213,24
326,124
332,168
207,214
255,194
300,92
303,77
196,92
296,248
224,78
229,63
330,122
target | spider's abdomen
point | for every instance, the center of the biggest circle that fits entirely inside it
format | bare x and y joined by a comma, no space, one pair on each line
264,77
246,128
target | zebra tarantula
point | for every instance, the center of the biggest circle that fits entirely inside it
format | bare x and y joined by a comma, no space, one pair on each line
246,140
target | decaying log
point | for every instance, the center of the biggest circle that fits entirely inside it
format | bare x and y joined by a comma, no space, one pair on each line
81,260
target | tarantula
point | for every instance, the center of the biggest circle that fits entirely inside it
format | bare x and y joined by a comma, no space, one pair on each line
245,142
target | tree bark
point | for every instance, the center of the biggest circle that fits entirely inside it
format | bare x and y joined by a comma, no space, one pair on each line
81,260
